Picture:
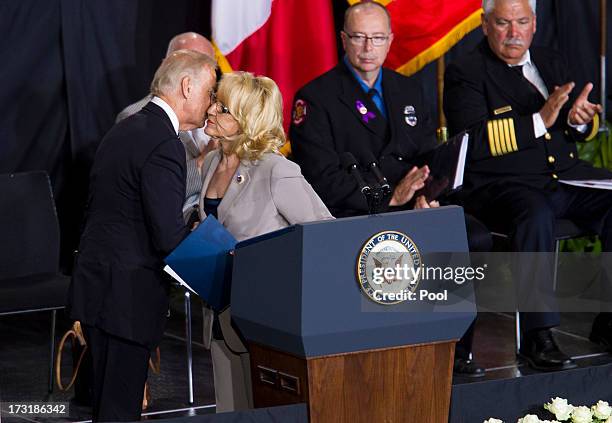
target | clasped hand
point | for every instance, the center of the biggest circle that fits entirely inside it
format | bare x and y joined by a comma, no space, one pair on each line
408,185
582,111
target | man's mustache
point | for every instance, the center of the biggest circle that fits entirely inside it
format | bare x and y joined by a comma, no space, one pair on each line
514,42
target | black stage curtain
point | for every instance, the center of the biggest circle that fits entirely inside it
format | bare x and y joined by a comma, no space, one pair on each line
71,65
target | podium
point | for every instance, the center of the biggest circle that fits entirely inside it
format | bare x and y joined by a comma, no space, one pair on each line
314,336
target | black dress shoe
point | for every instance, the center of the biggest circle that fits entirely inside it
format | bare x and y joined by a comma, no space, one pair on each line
467,367
542,353
601,333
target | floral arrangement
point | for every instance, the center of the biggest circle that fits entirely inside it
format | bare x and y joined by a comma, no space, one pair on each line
565,412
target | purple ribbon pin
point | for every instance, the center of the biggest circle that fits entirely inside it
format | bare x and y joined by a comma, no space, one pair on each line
363,111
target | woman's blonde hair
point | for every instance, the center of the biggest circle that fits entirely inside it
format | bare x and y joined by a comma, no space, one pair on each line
256,103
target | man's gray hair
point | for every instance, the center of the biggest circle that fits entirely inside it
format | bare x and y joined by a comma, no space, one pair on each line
178,65
488,6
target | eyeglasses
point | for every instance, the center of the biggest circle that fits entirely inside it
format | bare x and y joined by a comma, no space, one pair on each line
360,39
219,107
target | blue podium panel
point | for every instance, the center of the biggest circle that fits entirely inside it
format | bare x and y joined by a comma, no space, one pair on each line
297,290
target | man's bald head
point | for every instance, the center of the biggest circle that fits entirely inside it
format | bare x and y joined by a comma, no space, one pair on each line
191,41
366,6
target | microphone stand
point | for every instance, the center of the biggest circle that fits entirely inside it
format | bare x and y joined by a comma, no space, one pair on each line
372,197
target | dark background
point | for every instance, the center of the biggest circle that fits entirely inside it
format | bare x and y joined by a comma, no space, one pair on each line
69,66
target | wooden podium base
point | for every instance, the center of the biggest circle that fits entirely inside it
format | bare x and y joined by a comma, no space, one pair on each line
402,384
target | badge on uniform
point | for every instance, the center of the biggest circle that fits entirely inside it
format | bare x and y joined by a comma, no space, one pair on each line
363,111
410,115
299,112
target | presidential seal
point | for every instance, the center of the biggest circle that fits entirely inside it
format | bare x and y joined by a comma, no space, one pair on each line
389,268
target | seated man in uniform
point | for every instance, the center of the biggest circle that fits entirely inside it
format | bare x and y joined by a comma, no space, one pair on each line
518,103
377,115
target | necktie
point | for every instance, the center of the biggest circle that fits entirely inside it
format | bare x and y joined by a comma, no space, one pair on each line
377,100
519,70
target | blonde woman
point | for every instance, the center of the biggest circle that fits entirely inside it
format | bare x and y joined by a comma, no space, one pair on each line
249,186
251,189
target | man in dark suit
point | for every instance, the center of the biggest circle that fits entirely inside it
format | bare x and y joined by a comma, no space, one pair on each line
377,115
197,144
518,104
134,219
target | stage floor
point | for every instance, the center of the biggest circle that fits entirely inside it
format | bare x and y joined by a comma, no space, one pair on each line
510,389
494,345
24,361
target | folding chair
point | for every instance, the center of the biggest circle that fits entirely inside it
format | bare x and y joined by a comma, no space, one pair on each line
564,229
30,280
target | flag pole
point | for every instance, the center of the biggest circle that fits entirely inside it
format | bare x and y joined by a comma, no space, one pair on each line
603,45
442,131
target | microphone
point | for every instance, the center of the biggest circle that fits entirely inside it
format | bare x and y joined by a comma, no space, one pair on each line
350,164
380,178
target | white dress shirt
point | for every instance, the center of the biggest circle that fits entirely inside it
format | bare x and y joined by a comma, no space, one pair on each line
166,107
530,72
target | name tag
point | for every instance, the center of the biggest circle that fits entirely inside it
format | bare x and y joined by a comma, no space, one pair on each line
502,110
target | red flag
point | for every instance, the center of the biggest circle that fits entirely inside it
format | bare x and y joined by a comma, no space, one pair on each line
426,29
290,41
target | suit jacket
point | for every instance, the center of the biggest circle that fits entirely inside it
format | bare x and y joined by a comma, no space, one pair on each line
327,121
133,220
193,146
484,95
263,196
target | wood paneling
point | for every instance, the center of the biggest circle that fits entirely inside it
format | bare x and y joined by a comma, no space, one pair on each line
267,395
406,384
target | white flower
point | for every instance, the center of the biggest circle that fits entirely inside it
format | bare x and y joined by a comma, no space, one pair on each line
582,414
492,420
560,408
529,418
602,410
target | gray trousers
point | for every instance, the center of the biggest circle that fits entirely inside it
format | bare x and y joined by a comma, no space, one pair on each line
231,369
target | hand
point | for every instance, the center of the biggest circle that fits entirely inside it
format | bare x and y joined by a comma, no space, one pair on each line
213,144
582,110
552,107
421,203
408,185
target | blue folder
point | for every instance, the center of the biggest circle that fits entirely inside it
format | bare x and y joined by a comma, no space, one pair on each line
203,262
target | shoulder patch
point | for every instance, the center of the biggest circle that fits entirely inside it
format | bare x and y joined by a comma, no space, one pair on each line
300,110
